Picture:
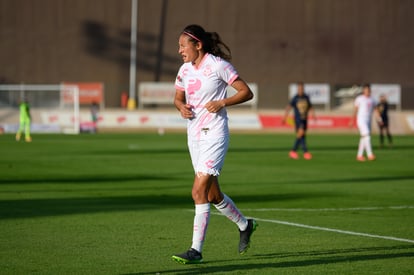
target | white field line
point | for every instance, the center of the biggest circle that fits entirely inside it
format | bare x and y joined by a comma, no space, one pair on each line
331,229
329,209
336,230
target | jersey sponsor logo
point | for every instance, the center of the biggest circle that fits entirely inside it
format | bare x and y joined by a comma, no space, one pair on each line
205,130
193,86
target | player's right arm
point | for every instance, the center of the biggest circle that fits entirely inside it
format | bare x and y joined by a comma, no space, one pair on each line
378,117
287,111
181,104
353,118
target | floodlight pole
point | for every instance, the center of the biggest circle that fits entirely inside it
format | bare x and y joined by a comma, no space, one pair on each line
132,68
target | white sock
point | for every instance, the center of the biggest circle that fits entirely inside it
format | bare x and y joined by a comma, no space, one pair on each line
229,209
368,146
361,147
201,219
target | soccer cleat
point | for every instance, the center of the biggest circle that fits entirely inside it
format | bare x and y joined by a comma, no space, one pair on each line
18,137
371,157
307,155
360,158
245,235
191,256
293,155
28,139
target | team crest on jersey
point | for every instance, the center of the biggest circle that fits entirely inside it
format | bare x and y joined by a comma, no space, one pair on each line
207,71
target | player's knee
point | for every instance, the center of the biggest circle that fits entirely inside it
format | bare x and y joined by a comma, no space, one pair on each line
198,195
215,197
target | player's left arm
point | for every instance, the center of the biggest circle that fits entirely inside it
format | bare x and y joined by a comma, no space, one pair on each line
28,112
243,94
311,110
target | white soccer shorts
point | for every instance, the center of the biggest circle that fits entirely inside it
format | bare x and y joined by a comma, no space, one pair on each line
364,128
208,156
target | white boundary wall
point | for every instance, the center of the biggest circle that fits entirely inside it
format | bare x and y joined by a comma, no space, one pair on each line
119,120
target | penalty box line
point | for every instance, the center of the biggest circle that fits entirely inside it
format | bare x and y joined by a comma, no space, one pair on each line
374,208
391,238
336,230
331,229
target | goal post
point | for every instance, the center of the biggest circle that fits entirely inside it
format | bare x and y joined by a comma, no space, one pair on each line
52,106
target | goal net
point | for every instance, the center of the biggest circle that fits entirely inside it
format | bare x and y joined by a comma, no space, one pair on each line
53,108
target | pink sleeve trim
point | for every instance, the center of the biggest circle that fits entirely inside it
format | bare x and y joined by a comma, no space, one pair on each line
179,88
233,79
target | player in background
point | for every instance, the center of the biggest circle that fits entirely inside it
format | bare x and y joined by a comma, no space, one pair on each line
94,116
364,107
302,106
201,98
25,121
382,107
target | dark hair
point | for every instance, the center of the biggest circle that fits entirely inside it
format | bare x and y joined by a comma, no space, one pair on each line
211,41
366,85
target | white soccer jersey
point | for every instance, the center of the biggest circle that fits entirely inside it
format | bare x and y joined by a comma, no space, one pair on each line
365,107
202,84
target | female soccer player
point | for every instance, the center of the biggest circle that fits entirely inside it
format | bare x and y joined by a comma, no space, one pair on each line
364,106
382,107
301,105
201,99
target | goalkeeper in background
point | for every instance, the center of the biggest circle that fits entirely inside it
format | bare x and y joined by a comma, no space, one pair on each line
25,120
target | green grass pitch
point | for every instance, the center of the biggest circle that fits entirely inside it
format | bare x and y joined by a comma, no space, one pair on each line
121,204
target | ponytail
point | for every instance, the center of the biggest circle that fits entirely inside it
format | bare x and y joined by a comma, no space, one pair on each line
211,41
